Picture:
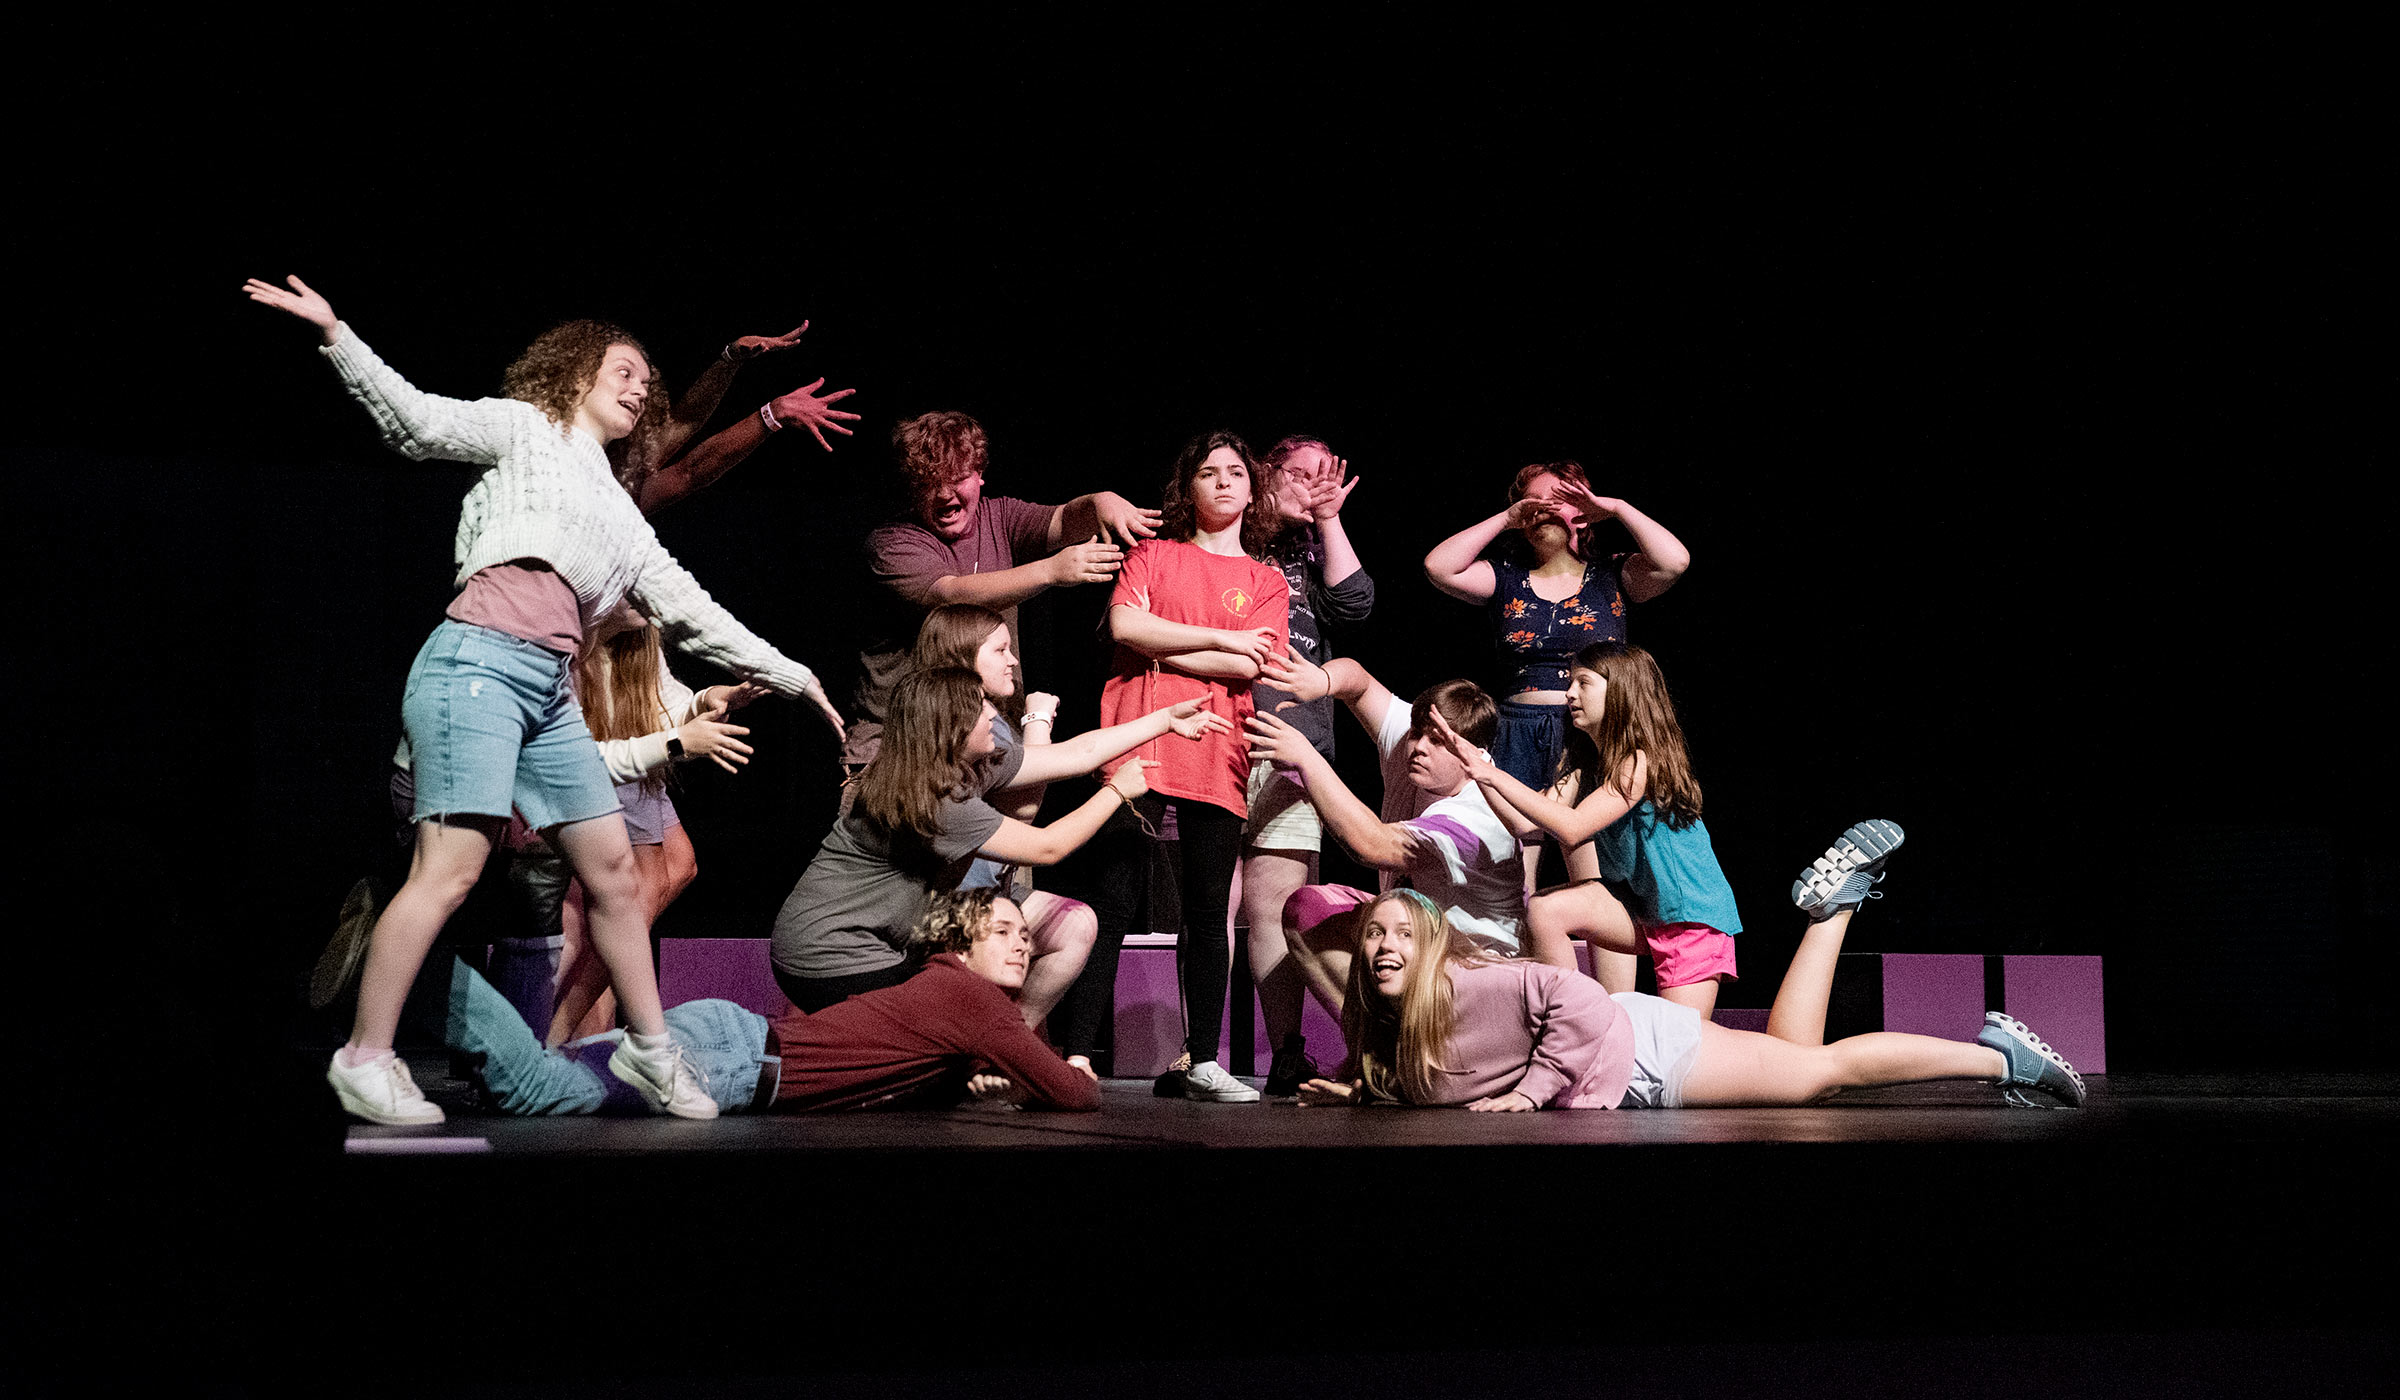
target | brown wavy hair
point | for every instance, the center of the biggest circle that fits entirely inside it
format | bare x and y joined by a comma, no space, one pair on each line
557,370
935,449
1180,519
1638,718
951,636
922,761
1397,1048
953,922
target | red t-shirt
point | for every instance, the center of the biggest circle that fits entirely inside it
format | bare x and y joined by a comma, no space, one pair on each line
1182,582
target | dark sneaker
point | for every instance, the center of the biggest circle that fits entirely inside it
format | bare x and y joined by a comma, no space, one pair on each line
337,967
1291,1068
1845,876
2032,1064
1170,1084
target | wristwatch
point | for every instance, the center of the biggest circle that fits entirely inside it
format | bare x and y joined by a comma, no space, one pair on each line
674,746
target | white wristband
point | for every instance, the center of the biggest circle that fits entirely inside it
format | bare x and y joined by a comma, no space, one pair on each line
1049,717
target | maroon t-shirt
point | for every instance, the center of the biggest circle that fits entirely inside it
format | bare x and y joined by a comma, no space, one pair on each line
526,599
906,559
917,1043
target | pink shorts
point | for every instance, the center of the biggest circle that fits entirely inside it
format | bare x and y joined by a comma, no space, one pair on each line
1311,905
1683,954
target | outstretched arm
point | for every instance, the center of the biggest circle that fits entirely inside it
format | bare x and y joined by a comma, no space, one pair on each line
1456,567
707,391
1089,750
1374,841
1661,559
1569,826
1342,678
1022,843
723,451
415,424
668,595
1102,514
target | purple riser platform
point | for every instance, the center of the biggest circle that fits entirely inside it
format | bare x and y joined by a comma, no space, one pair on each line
1933,994
1150,1018
734,969
2060,997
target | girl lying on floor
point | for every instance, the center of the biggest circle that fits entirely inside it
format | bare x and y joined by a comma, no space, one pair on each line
1432,1019
926,1042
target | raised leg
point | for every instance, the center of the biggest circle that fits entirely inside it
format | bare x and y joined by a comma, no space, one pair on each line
1586,910
1700,996
1063,933
1799,1011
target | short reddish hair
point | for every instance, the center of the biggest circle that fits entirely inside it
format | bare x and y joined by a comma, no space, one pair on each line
1564,470
935,449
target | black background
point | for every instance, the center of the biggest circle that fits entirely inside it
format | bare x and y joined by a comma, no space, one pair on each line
2014,388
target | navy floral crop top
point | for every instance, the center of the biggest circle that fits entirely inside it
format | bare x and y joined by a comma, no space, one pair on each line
1538,639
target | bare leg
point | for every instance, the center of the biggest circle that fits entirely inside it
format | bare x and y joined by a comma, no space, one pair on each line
678,865
1063,933
582,1004
1700,996
449,860
1268,879
1616,971
1323,952
1799,1012
1557,917
615,917
1743,1067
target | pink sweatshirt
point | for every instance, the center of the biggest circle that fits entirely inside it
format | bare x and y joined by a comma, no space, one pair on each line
1552,1035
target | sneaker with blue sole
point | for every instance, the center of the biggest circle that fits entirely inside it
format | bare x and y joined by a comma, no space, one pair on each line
2032,1064
1846,875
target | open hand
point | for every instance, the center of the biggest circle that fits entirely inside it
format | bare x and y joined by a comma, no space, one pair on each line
1510,1102
1479,767
814,411
301,301
1588,507
1192,719
750,347
1325,1093
1331,490
1305,679
1277,742
716,741
718,701
1096,560
1126,520
816,695
1295,496
1524,514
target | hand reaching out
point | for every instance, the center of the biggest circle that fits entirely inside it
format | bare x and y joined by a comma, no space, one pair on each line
718,701
1192,719
1305,679
1127,521
301,301
1331,490
1325,1093
1510,1102
816,694
1096,560
813,411
1132,778
1276,742
1479,768
750,347
1295,496
715,741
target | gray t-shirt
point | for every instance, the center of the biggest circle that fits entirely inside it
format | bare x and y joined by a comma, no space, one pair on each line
865,889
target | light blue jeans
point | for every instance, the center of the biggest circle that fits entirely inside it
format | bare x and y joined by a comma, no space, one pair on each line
725,1042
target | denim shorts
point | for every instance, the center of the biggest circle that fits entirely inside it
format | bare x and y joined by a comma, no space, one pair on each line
1527,741
492,725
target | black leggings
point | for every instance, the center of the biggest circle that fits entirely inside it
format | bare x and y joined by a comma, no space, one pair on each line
1209,846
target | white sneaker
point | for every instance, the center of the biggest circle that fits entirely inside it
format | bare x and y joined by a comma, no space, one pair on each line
1207,1082
381,1091
665,1078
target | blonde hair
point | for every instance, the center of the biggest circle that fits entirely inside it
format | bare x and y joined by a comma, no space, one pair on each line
617,684
1398,1049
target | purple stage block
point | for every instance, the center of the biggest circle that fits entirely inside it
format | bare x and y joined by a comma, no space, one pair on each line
1149,1010
734,969
1742,1018
2060,997
1933,994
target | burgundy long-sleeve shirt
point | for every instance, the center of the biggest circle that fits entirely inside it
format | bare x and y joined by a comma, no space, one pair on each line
917,1042
1552,1035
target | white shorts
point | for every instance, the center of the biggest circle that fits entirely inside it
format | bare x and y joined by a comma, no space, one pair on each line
1666,1036
1281,818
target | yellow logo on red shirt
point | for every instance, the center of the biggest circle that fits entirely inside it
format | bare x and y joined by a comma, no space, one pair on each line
1236,600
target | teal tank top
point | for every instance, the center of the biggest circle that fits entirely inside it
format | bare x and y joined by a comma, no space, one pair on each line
1666,876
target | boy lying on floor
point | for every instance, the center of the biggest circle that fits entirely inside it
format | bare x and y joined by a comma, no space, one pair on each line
921,1043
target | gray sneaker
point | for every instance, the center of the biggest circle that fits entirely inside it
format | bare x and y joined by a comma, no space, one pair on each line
2032,1064
1208,1082
1846,875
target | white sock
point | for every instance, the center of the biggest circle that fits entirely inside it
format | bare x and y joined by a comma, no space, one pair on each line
659,1041
354,1058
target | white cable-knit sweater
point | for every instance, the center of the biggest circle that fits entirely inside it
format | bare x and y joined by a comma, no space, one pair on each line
550,496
